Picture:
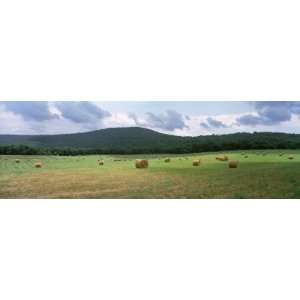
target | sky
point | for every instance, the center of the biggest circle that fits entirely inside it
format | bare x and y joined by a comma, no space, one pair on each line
186,118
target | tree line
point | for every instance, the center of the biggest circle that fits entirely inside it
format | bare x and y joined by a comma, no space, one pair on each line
213,143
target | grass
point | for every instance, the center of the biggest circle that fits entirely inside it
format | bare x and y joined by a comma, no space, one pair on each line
263,174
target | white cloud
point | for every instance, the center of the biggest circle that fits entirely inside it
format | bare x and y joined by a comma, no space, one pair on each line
11,123
14,123
118,120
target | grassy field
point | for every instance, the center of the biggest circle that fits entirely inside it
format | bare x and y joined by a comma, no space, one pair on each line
263,174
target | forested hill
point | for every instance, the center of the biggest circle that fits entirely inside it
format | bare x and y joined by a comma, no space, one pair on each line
140,140
107,139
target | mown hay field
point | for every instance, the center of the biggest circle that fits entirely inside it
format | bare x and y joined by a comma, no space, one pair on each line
259,174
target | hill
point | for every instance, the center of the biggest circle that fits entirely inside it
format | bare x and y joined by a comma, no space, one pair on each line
111,139
141,140
104,138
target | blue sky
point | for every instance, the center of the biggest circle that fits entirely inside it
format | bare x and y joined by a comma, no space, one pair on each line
173,117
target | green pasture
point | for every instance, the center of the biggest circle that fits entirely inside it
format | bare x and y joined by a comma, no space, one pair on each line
263,174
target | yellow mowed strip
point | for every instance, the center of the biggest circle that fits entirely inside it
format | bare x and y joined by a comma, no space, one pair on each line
85,184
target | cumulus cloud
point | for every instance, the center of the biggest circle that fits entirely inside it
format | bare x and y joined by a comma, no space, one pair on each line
204,125
169,121
81,111
39,117
11,123
270,113
134,117
67,117
212,123
119,120
30,110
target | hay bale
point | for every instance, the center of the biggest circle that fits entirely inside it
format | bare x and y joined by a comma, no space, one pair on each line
232,164
101,162
196,162
291,157
222,158
38,165
141,163
17,161
167,160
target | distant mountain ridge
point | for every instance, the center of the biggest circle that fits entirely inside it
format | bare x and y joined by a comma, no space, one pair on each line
142,140
103,138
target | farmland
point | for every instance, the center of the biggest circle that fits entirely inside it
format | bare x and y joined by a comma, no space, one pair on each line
260,174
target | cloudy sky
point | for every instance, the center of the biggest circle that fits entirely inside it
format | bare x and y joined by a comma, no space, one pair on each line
176,117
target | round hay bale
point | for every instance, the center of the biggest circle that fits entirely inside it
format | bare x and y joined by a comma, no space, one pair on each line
38,165
232,164
222,158
101,162
17,161
167,160
196,162
141,163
